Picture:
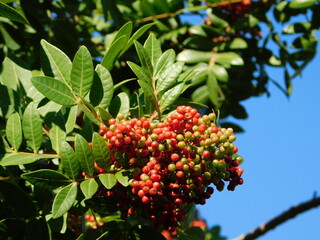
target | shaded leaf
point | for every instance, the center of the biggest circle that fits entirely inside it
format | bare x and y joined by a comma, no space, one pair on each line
46,178
192,233
213,88
100,151
107,85
120,104
146,233
84,155
12,14
71,120
153,49
82,72
149,93
55,63
14,131
89,111
64,200
108,180
89,187
54,89
32,127
69,161
21,158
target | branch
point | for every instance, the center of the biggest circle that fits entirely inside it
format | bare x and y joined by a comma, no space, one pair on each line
283,217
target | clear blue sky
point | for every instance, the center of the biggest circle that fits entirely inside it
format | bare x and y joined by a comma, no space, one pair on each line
282,165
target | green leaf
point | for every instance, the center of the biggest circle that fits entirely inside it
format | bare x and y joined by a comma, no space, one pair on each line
140,73
193,56
123,177
12,14
147,232
104,115
64,200
108,180
238,43
100,151
301,27
153,49
201,94
46,178
120,104
32,127
55,63
144,58
89,111
125,30
14,72
54,89
167,79
113,52
218,21
165,60
14,131
50,107
192,233
149,93
107,85
220,73
84,155
69,161
137,35
18,199
298,4
57,132
213,88
229,58
170,96
21,158
82,72
89,187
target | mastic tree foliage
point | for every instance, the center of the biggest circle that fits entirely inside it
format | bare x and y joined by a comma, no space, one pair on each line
110,110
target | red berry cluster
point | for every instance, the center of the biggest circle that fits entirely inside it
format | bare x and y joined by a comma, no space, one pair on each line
234,10
92,221
173,163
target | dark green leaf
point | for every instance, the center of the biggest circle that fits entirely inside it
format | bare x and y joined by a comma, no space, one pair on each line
32,127
71,120
213,88
137,35
100,151
55,63
104,115
147,233
192,233
170,96
218,21
153,49
84,155
89,187
12,14
89,111
140,73
149,93
107,85
18,199
21,158
123,177
116,16
108,180
301,27
57,132
238,111
46,178
69,161
113,52
64,200
165,60
82,72
14,131
144,58
54,89
167,79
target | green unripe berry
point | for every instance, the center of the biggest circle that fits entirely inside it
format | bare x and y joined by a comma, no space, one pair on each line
154,136
120,116
188,135
197,134
186,168
195,128
212,116
207,176
223,138
161,147
184,160
200,150
181,144
232,138
197,168
180,137
171,167
239,159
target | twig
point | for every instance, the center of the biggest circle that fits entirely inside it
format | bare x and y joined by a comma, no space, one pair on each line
283,217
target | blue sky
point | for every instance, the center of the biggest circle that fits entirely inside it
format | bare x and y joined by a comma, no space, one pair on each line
281,165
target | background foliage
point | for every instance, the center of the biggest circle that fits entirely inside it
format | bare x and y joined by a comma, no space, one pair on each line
229,52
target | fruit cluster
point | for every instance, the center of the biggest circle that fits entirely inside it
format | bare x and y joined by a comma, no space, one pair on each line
172,162
234,10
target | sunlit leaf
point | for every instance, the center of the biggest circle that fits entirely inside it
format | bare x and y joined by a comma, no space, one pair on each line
69,161
165,60
170,96
84,155
229,58
113,52
194,56
82,72
100,151
144,58
57,132
107,85
89,187
298,4
120,104
21,158
54,89
64,200
140,73
32,127
153,49
168,77
108,180
14,131
123,177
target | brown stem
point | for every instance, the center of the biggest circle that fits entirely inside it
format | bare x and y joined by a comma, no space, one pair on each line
283,217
